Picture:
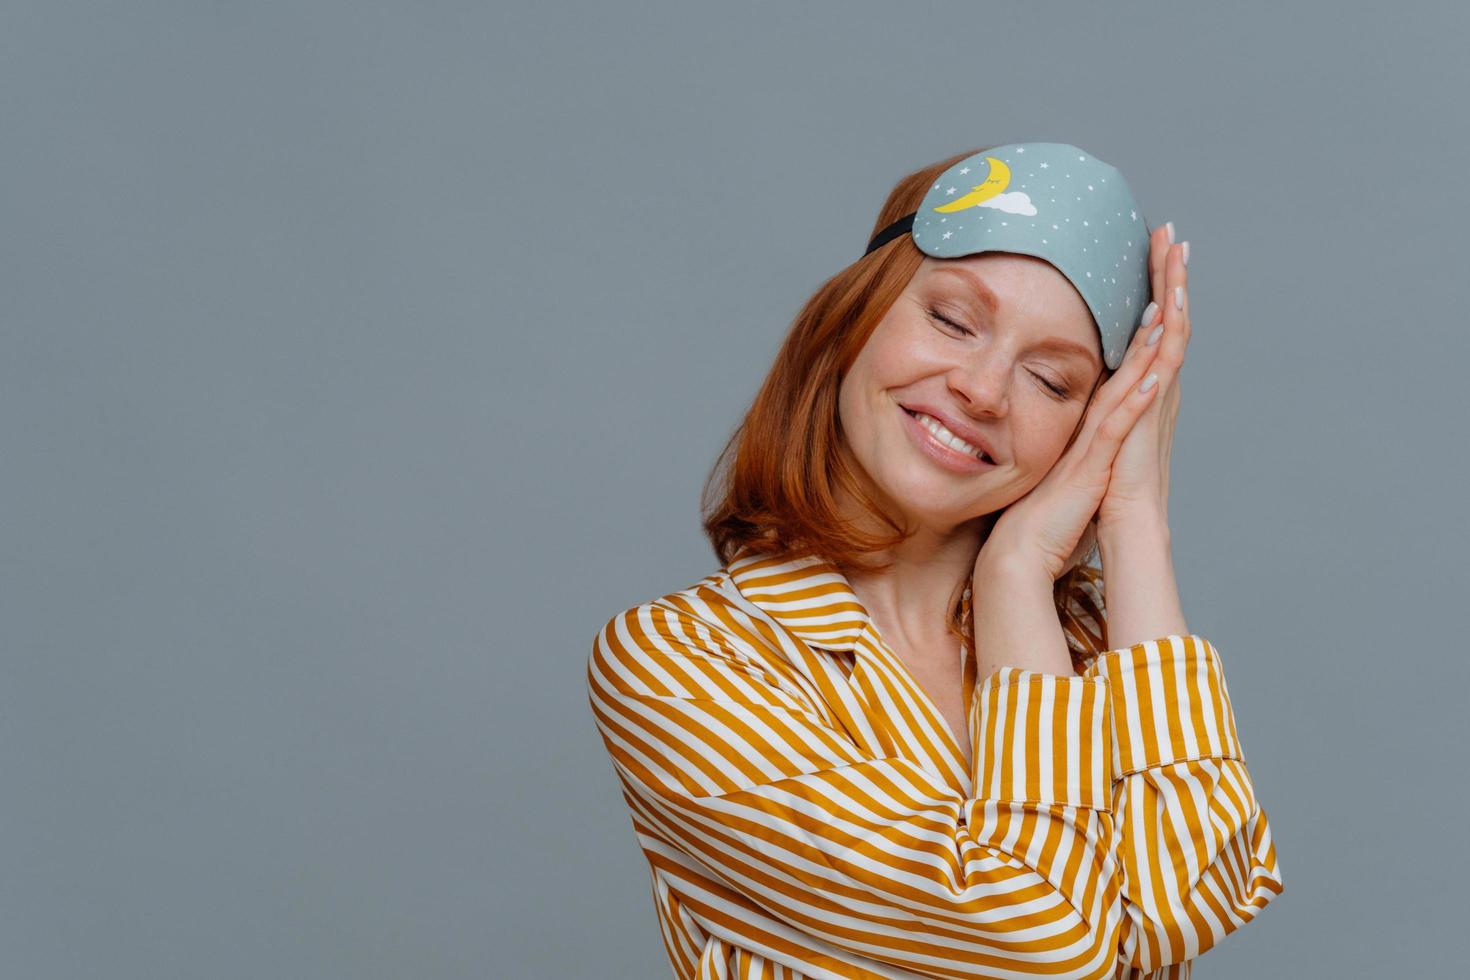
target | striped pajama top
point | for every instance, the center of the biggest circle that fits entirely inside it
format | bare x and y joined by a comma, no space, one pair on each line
806,811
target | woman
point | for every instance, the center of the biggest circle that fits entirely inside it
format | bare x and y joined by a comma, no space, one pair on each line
894,735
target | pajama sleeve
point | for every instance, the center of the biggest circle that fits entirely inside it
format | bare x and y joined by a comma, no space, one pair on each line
773,831
1194,847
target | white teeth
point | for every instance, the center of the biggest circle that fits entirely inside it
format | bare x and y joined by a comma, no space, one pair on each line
947,437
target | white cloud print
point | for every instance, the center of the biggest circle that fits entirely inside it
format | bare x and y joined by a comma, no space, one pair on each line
1011,202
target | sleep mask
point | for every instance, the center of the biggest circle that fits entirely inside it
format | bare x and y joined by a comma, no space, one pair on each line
1053,201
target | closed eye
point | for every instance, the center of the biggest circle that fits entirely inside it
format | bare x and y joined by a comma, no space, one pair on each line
1058,392
950,323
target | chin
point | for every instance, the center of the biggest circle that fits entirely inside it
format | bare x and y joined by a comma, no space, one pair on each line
929,506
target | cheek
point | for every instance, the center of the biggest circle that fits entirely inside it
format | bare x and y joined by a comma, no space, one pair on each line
900,352
1042,441
865,399
854,409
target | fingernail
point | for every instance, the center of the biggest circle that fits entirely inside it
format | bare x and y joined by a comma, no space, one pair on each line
1153,338
1148,383
1178,297
1169,226
1185,247
1148,313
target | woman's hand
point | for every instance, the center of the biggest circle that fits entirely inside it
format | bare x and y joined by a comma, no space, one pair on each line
1139,488
1042,529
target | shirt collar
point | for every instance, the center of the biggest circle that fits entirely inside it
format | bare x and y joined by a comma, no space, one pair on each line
808,596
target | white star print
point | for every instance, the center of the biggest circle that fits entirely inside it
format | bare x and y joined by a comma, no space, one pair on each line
947,234
965,170
950,191
1046,165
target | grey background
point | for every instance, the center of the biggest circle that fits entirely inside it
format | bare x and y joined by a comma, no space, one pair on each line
361,359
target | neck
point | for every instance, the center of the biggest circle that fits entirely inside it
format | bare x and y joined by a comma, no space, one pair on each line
910,600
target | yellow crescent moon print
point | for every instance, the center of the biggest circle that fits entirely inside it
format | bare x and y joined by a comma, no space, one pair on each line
1000,177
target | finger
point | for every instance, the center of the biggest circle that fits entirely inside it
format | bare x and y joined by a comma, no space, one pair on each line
1092,451
1180,279
1176,317
1102,449
1136,360
1158,252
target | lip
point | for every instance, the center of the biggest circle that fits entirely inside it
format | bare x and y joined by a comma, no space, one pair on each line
964,430
947,457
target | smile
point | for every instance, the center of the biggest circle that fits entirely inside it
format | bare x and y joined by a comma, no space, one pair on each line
943,446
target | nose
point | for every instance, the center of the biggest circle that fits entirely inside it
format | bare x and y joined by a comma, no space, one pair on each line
982,384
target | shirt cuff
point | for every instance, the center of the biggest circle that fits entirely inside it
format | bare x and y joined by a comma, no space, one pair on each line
1168,703
1043,738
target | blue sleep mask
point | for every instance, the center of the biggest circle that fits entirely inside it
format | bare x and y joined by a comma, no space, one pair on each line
1053,201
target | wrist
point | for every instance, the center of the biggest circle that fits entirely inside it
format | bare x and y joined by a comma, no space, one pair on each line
1014,617
1139,583
1008,567
1151,526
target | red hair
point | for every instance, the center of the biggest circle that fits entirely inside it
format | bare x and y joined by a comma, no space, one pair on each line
773,489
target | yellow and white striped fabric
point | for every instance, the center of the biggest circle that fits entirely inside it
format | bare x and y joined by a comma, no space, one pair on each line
806,811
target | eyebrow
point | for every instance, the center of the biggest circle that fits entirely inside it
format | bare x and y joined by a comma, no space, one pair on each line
988,300
982,291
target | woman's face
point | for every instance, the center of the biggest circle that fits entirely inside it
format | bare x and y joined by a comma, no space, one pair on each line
1017,329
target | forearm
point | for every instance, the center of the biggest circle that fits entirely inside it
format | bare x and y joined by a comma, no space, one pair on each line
1138,582
1015,619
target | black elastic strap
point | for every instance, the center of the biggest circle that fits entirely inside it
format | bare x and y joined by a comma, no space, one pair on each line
899,227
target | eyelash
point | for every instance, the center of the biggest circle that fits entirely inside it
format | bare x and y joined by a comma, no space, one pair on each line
1058,392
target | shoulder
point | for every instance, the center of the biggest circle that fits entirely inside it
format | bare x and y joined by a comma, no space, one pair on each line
651,645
